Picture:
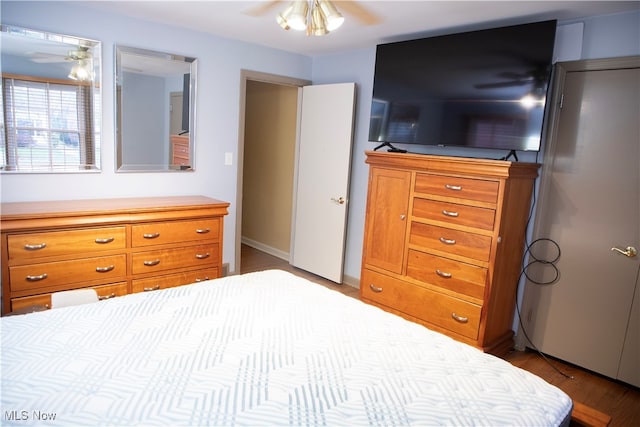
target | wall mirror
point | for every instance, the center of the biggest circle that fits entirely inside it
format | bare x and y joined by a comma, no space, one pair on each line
155,110
51,102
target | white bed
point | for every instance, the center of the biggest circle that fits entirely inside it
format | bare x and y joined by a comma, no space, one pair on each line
265,348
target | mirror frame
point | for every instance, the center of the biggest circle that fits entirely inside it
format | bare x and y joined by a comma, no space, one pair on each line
154,64
44,47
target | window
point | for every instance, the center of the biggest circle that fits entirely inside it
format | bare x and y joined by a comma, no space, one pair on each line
47,125
494,131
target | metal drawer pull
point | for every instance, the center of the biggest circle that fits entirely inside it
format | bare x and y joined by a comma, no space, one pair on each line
450,213
151,235
443,274
151,263
453,187
105,269
105,240
35,247
203,256
459,318
203,230
448,241
36,278
103,297
202,280
375,288
154,288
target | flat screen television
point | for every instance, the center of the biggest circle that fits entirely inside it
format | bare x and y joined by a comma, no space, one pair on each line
480,89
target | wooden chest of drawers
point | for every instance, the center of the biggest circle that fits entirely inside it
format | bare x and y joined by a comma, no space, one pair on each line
443,243
116,246
180,150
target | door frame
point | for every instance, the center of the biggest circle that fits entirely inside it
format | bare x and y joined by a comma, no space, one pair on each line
245,76
550,147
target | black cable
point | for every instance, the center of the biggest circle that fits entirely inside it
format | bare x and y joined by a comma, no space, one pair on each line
523,272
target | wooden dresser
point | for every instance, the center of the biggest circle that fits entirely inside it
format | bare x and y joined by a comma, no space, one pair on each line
116,246
180,150
443,243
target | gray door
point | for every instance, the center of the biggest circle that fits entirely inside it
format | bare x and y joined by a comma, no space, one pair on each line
590,207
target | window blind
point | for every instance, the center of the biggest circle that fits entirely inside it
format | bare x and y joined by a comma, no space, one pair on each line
47,125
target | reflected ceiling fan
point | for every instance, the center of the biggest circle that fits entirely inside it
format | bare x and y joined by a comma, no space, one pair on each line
80,54
82,70
534,74
316,17
536,78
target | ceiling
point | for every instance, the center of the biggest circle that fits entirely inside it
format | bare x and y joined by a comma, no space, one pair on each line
399,20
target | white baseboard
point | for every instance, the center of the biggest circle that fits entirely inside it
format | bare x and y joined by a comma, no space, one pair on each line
354,282
265,248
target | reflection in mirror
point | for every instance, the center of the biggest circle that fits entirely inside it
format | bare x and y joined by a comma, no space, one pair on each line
155,106
51,102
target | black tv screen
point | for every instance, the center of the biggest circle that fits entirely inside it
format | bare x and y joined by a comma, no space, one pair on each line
466,89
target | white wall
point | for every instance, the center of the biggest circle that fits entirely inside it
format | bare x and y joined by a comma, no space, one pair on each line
220,62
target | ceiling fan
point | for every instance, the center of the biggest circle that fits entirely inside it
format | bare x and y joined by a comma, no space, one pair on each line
314,16
80,54
520,71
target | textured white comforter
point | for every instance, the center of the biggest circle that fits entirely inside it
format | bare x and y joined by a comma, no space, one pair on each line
265,348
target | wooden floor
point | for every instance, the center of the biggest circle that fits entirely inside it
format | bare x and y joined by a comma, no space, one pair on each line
617,400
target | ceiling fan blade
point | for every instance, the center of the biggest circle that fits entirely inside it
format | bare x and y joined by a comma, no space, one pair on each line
516,76
501,84
361,13
262,8
45,58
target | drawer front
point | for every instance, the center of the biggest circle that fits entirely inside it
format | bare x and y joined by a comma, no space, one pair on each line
104,292
456,276
24,303
200,256
42,275
38,245
462,188
447,312
111,291
468,216
180,154
447,240
180,160
159,233
171,280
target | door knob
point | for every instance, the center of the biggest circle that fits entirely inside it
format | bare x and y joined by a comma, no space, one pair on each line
339,200
630,251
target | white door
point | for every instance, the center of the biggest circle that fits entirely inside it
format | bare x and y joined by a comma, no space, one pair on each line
590,207
321,195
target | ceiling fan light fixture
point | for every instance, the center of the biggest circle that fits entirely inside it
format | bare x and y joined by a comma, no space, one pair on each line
297,19
282,22
333,18
81,53
81,71
534,98
317,25
317,17
282,18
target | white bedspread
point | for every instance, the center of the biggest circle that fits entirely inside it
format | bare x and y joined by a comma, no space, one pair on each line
264,348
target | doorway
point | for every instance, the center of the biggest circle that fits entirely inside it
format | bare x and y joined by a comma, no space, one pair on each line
267,212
